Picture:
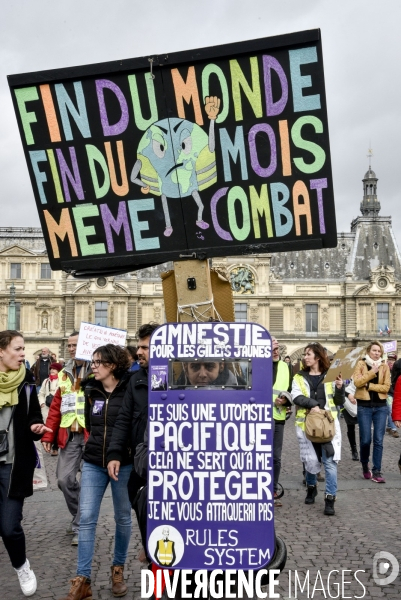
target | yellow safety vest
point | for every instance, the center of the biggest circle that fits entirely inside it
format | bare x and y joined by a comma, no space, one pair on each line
72,403
280,385
165,554
301,412
205,168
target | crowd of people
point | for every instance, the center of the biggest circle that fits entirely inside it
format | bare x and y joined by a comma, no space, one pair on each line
93,416
371,400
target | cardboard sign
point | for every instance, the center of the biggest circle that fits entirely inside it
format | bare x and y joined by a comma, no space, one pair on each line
218,151
344,362
210,472
92,336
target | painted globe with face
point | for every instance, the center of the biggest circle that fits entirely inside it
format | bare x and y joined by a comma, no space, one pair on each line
176,159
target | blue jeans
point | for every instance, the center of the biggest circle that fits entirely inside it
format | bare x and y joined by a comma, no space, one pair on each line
366,416
10,520
330,469
94,482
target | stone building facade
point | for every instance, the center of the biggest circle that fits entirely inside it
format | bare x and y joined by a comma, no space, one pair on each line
341,296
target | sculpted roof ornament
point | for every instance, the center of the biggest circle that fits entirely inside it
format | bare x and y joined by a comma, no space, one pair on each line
242,280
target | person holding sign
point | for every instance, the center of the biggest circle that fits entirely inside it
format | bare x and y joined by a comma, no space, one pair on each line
372,381
67,421
309,391
20,424
104,392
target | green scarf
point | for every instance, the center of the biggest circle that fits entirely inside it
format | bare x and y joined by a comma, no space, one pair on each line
9,383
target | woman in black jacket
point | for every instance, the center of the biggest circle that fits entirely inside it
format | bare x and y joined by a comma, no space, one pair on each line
104,393
20,415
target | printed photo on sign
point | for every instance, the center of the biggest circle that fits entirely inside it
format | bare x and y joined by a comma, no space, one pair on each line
158,378
206,373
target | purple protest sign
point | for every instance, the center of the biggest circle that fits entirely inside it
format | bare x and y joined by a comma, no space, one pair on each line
390,346
210,475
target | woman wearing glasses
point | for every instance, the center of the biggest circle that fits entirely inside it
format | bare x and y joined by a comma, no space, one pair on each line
104,393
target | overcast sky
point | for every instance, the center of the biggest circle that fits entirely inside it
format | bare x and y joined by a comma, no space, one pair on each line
361,51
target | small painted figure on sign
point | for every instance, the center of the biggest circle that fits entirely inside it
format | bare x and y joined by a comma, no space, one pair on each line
176,159
165,549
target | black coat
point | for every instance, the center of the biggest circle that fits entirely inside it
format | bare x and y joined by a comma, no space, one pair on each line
318,395
25,454
132,418
101,411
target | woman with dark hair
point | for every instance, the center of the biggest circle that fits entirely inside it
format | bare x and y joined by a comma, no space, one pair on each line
20,415
372,381
310,392
396,385
104,393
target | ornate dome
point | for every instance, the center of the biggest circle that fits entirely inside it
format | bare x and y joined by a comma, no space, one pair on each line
370,174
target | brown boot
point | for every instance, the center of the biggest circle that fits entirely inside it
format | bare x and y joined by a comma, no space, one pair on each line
118,587
80,589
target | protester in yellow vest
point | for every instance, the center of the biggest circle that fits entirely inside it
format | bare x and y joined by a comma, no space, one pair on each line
165,550
310,392
67,415
282,402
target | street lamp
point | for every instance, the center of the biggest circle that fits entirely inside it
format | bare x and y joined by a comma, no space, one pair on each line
11,308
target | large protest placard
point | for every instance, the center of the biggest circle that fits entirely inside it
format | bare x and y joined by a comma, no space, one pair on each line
210,473
210,152
92,336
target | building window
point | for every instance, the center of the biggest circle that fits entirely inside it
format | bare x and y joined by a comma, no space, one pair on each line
45,271
382,316
241,311
311,318
18,316
15,270
101,313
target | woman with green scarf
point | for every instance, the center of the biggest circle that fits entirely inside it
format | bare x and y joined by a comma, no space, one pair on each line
20,423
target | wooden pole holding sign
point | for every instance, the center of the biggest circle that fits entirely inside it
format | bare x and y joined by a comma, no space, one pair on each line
195,292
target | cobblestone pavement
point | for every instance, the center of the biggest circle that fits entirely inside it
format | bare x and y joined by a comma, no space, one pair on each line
366,522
